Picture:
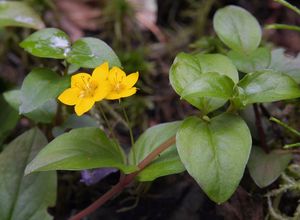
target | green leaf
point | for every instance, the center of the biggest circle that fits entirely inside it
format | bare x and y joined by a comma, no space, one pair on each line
215,153
91,52
44,113
266,168
25,197
268,86
19,14
187,68
209,85
82,148
40,86
48,43
286,64
237,28
167,162
8,117
255,61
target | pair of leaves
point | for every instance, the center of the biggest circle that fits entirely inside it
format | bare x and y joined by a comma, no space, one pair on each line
25,197
19,14
208,81
203,79
86,52
87,148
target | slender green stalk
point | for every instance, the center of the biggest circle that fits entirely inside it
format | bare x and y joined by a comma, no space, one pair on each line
291,145
113,113
288,5
292,130
106,121
129,128
283,26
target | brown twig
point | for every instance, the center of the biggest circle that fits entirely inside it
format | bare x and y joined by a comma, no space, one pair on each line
124,181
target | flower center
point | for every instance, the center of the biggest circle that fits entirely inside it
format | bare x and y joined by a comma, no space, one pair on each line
88,89
118,87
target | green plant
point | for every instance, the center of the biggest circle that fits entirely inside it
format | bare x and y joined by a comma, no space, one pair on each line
213,146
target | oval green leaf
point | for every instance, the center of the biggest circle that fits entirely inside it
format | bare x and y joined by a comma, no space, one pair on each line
237,28
19,14
82,148
40,86
25,197
268,86
266,168
215,153
91,52
255,61
48,43
168,162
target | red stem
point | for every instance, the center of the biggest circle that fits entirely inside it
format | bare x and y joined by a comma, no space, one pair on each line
124,181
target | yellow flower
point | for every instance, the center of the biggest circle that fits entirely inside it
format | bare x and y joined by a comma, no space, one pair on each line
87,89
121,85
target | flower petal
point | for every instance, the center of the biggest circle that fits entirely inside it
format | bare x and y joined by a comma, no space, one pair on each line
80,80
130,80
116,75
113,95
84,105
101,72
125,93
69,96
128,92
102,90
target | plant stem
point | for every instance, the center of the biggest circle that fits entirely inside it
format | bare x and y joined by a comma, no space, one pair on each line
288,5
260,129
113,113
130,131
106,121
292,130
124,181
283,26
291,145
128,124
